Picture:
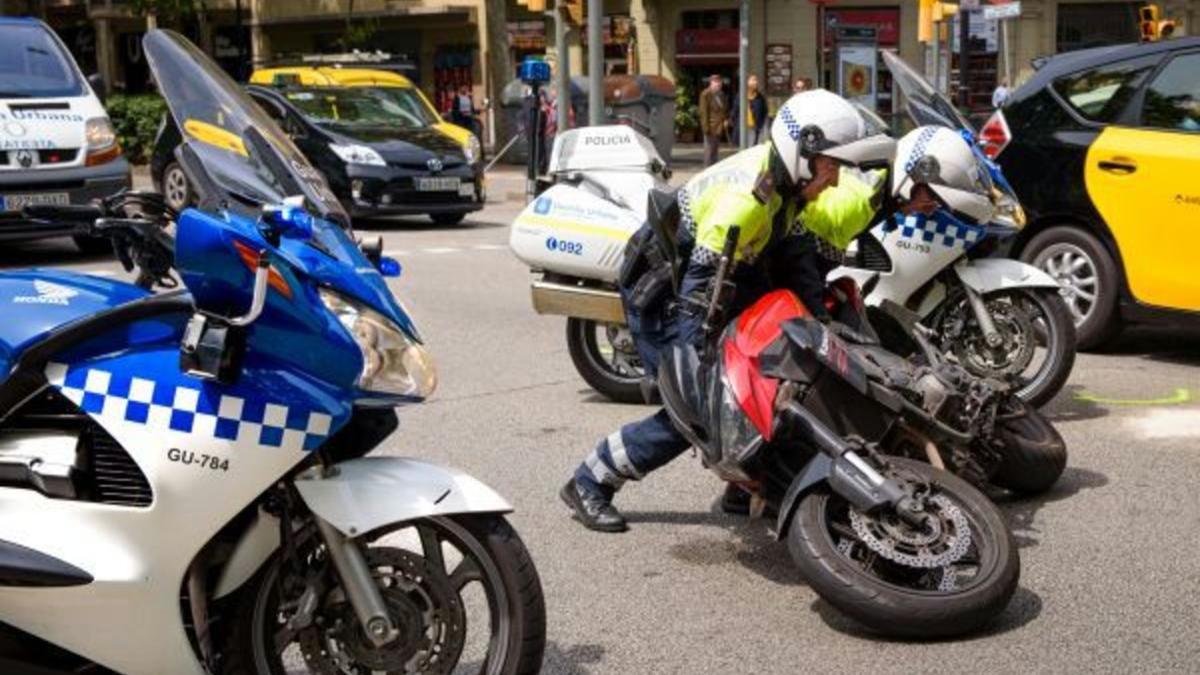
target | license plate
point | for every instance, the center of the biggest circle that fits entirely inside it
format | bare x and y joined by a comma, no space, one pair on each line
440,184
466,190
18,202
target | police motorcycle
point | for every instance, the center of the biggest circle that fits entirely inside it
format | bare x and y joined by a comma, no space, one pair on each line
183,486
794,411
604,179
1000,318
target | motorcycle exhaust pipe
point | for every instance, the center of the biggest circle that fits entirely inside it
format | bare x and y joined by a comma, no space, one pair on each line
582,302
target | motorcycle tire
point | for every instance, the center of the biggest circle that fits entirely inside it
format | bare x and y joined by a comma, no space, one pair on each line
245,647
595,369
1056,367
888,609
1035,455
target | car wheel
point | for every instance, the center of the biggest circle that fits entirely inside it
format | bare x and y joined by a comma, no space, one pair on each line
447,219
175,188
1088,276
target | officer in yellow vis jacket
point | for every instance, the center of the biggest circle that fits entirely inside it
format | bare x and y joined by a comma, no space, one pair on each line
778,194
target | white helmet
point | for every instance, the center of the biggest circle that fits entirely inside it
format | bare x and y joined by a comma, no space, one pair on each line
819,122
942,159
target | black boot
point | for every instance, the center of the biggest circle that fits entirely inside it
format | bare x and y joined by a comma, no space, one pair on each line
592,510
735,501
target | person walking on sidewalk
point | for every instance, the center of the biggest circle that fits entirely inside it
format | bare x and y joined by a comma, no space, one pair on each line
714,118
756,111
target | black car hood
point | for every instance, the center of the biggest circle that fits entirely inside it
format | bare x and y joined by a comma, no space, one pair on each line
398,143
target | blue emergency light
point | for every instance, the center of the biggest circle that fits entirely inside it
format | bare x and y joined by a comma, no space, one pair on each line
534,71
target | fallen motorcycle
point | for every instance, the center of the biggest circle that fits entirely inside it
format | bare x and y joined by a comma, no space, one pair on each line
903,547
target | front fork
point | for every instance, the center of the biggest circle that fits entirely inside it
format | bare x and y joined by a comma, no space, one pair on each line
360,586
983,317
851,476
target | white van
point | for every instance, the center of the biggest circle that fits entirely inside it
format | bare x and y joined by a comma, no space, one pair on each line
57,145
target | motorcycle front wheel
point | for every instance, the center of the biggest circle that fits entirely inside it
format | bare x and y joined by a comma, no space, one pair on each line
441,579
1037,347
606,358
949,578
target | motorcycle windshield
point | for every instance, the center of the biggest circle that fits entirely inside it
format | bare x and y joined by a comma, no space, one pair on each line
924,104
241,148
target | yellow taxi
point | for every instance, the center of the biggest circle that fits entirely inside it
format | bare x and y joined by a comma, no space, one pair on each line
396,84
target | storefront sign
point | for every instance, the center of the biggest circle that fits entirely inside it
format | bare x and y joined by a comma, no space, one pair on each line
779,69
710,41
1008,10
886,20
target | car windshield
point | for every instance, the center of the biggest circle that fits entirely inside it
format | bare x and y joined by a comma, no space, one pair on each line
242,150
409,99
355,106
33,64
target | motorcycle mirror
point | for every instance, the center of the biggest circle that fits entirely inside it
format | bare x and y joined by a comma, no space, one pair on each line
289,219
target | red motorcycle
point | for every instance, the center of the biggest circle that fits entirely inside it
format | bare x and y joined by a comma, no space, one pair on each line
803,416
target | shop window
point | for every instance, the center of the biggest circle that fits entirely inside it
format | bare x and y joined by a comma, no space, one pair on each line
1095,24
710,19
1173,97
1101,94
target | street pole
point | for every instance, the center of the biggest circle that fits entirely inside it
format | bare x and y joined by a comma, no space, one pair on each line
743,73
1007,63
820,47
595,21
964,37
564,65
937,56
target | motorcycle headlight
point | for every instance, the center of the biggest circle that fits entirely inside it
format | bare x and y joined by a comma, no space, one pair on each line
393,362
740,439
357,154
471,149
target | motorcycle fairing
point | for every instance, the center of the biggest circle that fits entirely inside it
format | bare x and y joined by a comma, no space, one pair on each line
756,329
206,449
36,302
813,337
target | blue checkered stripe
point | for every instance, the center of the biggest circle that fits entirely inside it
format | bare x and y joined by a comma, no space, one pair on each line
196,410
919,147
947,232
793,127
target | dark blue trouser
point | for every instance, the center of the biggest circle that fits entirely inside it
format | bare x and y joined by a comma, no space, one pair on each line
640,447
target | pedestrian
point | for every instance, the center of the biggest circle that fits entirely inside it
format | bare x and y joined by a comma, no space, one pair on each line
761,190
714,118
1000,95
463,113
800,86
756,111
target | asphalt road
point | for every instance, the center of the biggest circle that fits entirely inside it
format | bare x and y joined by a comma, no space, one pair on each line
1110,580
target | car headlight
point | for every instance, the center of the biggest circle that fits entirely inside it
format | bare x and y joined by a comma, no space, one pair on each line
393,362
99,133
472,149
357,154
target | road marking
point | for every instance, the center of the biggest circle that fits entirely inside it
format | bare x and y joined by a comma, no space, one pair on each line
491,247
1167,424
444,250
1180,397
440,250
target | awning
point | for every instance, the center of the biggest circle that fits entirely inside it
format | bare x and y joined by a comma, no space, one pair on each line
706,59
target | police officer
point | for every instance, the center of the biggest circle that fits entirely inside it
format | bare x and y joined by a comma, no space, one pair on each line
761,190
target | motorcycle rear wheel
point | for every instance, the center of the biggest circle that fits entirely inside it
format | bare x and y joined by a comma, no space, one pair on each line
470,550
893,599
608,365
1034,453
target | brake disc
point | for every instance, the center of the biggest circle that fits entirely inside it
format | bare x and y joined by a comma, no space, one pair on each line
946,540
1017,344
421,604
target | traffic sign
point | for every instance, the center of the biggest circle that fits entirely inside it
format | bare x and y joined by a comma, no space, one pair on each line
1008,10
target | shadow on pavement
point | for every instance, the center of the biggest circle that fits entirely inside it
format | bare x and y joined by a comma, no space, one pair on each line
1169,345
572,660
1021,512
1022,609
1067,407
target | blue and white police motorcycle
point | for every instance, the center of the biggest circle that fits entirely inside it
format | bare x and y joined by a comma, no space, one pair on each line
183,487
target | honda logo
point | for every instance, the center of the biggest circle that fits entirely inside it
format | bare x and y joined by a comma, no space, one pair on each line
434,164
25,158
